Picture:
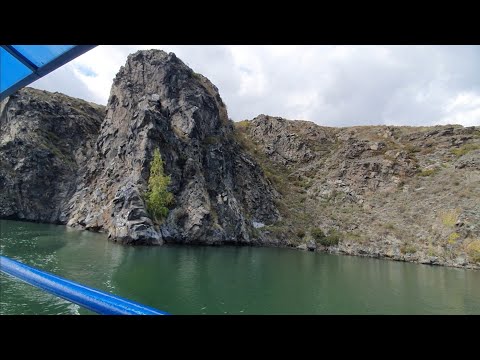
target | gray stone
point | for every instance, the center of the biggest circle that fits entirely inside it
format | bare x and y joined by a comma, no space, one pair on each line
470,160
311,245
461,261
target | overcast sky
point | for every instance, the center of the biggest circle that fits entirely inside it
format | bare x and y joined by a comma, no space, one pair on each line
330,85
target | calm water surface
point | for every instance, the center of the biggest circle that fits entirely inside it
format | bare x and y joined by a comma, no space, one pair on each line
227,280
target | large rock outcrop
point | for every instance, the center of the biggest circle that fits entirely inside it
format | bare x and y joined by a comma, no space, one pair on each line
45,140
157,101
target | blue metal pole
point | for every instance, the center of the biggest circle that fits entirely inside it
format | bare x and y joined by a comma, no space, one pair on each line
92,299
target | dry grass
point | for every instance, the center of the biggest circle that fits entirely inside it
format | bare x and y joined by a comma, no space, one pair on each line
453,237
473,250
243,125
389,226
427,172
450,217
465,149
408,249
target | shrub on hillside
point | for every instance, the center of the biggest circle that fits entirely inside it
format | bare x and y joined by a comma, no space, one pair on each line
473,251
333,237
317,234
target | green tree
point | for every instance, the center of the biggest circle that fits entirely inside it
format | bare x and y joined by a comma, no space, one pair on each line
158,197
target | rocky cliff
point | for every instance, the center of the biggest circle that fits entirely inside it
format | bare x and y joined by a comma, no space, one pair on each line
406,193
157,101
98,177
45,140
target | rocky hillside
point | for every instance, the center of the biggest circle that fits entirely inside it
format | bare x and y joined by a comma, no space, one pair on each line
60,165
45,140
406,193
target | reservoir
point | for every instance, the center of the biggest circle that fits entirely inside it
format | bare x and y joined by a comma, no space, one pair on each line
227,279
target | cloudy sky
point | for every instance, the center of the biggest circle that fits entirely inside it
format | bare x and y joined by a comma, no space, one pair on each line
330,85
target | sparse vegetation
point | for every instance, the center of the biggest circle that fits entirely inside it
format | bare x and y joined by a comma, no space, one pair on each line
473,250
431,251
196,75
356,237
333,238
244,124
411,149
317,192
453,237
450,217
389,226
158,198
465,149
427,172
407,248
317,234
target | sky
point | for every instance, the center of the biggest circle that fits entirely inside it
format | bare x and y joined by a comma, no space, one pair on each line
329,85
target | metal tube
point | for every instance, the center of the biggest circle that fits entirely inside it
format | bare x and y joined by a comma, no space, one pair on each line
92,299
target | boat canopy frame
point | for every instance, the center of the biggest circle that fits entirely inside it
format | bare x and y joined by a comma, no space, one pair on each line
23,64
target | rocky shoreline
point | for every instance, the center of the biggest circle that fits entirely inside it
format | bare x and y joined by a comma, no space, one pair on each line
425,260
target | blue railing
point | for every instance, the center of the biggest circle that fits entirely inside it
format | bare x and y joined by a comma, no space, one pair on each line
92,299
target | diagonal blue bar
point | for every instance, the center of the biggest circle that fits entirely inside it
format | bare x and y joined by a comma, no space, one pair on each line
92,299
23,64
11,70
42,54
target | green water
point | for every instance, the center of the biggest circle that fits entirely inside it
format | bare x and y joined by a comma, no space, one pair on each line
228,280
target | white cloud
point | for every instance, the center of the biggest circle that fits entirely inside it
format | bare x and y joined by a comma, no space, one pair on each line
464,108
252,75
331,85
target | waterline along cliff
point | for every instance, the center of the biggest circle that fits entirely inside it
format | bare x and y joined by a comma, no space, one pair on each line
405,193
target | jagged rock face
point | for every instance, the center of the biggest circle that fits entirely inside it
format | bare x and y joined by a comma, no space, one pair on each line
45,139
157,101
286,143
